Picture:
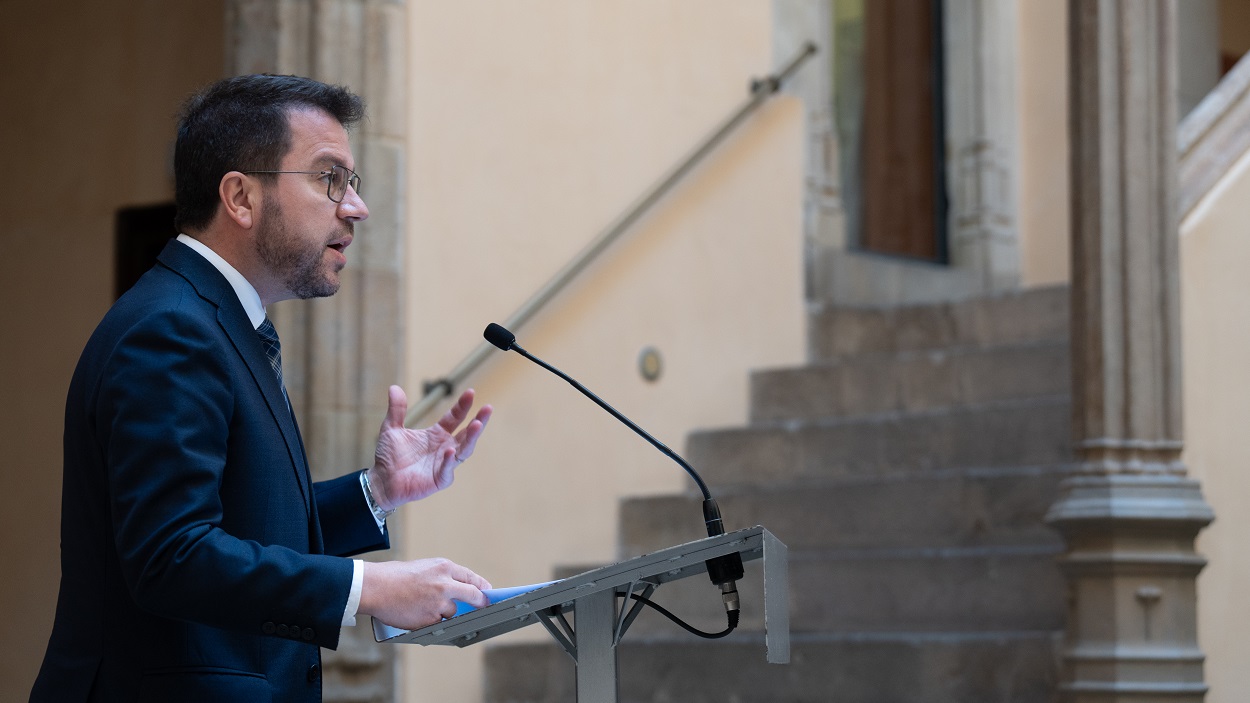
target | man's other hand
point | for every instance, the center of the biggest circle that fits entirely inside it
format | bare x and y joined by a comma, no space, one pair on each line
413,594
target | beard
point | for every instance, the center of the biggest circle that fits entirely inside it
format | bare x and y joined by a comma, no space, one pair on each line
300,263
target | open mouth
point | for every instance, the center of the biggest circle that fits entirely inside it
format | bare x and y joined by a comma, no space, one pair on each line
340,244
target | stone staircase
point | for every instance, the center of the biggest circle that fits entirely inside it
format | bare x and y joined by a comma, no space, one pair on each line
907,468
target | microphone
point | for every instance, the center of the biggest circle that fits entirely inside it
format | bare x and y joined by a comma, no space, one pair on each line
499,336
724,571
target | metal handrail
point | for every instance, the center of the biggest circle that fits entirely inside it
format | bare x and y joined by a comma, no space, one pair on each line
761,90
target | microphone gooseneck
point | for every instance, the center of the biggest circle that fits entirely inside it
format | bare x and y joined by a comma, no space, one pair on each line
724,571
628,423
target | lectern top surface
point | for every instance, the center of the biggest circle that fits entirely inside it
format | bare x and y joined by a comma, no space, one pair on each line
635,574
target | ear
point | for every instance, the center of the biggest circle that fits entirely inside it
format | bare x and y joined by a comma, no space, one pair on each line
240,198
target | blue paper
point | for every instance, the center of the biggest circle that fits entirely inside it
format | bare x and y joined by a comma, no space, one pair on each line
494,595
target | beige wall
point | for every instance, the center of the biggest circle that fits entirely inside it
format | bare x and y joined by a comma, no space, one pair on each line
90,92
533,125
1215,247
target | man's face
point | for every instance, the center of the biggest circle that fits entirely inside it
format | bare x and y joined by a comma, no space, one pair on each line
303,236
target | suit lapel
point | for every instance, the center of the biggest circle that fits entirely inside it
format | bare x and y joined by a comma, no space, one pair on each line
247,343
317,544
214,287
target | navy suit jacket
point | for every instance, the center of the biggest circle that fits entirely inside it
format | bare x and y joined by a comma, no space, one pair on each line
199,562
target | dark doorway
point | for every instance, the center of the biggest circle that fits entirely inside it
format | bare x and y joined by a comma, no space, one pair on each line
142,233
894,165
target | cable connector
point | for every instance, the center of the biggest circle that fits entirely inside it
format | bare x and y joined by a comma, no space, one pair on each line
725,569
729,596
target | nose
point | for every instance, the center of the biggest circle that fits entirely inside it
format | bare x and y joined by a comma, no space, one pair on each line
353,207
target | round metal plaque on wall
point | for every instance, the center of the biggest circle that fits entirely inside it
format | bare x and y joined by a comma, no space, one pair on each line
650,364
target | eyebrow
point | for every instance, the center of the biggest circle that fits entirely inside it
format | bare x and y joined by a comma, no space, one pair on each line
327,159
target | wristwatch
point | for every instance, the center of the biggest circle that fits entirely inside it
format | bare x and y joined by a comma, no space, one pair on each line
377,510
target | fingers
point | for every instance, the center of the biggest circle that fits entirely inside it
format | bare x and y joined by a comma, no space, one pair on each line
397,410
458,412
471,595
468,587
467,439
465,586
467,576
483,416
446,473
396,407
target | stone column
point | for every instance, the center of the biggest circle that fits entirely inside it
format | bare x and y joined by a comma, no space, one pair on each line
981,125
1129,514
344,351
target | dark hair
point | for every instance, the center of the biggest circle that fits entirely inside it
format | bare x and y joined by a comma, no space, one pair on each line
241,124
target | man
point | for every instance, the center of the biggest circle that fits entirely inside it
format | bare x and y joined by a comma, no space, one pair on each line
199,562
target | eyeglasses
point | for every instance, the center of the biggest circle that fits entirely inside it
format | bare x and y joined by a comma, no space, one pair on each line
336,187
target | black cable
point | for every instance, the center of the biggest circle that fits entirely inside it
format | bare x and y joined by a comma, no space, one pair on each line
733,618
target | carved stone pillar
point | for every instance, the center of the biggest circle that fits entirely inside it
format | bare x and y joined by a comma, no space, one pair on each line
1129,514
344,351
981,127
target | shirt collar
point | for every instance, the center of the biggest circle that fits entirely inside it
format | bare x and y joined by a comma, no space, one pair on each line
247,294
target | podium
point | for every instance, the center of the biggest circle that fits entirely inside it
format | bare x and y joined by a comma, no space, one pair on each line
599,623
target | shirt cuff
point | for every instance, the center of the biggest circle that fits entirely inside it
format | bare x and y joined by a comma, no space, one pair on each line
353,596
364,488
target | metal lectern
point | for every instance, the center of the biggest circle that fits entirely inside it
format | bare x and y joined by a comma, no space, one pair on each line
598,623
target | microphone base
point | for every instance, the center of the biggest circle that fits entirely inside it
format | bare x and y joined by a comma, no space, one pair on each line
726,569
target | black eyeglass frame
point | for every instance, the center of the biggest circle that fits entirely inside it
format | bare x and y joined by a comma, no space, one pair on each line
353,180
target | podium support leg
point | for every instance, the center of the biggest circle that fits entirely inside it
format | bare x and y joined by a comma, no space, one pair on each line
595,620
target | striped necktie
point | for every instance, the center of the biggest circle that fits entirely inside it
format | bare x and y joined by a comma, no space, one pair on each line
273,349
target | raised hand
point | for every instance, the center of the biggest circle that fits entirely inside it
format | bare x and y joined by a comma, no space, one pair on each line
412,464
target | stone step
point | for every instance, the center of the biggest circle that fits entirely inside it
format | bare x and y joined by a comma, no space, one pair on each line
1031,432
856,590
934,510
965,589
1019,667
1035,315
910,381
852,590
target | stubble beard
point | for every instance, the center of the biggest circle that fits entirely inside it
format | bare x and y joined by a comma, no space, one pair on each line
301,264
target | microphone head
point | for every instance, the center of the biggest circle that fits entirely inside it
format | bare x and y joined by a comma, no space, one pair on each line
499,336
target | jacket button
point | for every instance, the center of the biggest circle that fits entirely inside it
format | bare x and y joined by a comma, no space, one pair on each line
308,635
314,673
295,631
283,630
268,628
